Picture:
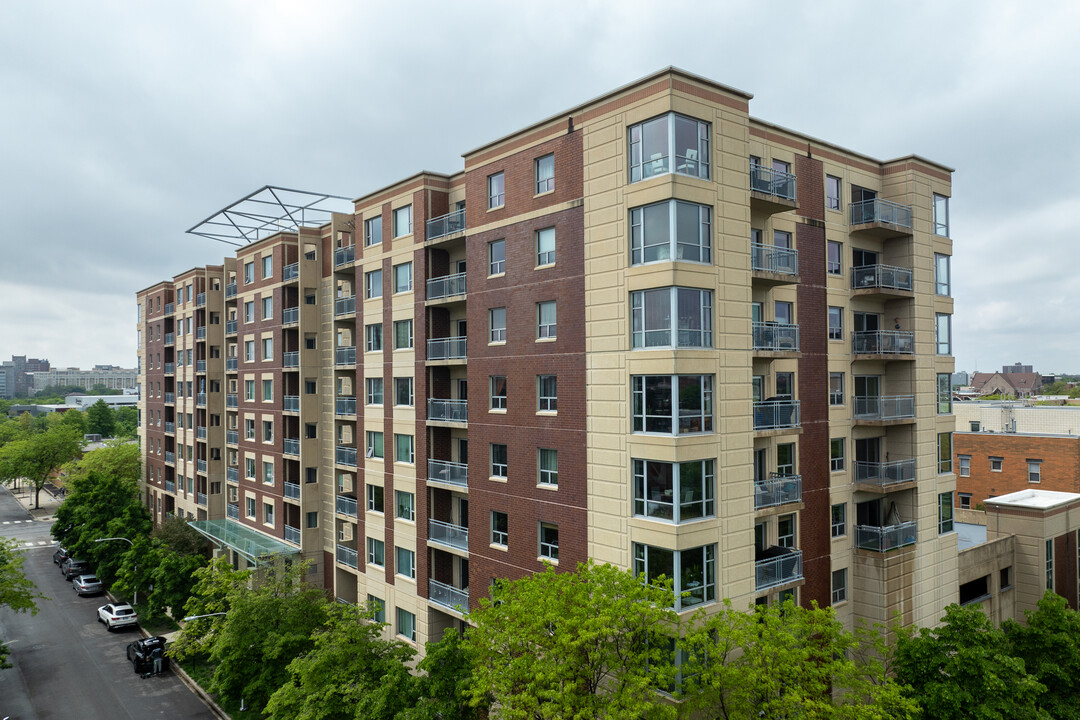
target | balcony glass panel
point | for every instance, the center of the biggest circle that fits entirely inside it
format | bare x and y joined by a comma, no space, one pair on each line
200,333
777,490
292,358
346,505
883,539
232,512
170,338
445,533
344,255
884,474
200,299
290,316
290,446
200,366
776,337
446,286
784,568
200,498
451,473
450,348
230,363
448,596
770,258
883,342
232,474
448,410
200,399
170,397
230,327
201,465
200,432
230,290
345,306
344,405
170,368
888,277
880,211
170,308
346,556
345,455
884,407
292,490
170,486
772,182
292,534
290,403
776,414
231,401
170,428
232,437
345,355
291,271
446,224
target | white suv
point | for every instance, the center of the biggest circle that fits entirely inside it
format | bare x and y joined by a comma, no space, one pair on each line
117,615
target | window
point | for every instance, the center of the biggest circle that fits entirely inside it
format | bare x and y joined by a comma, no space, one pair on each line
403,392
549,541
375,498
376,608
995,464
944,455
373,231
373,284
403,221
669,143
975,426
406,625
374,444
374,391
1005,578
403,336
785,459
405,505
839,586
944,394
839,520
836,323
674,492
373,337
545,174
499,524
545,247
832,192
268,349
833,262
249,507
965,500
376,551
499,464
403,277
1033,470
267,266
403,449
943,325
268,472
671,317
545,319
268,513
693,572
836,388
498,392
249,391
785,531
945,513
941,215
496,190
671,229
268,390
942,274
312,519
249,314
496,257
547,393
497,325
672,404
549,467
249,468
249,273
1050,564
405,562
965,465
836,454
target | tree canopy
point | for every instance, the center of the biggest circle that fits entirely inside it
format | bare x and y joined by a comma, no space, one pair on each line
100,419
16,591
37,455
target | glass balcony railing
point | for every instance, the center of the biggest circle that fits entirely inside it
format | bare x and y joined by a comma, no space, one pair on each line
230,290
884,474
345,255
448,410
170,397
232,474
201,465
880,211
446,286
772,182
170,486
446,224
448,596
230,364
170,308
783,568
346,505
449,534
170,368
883,539
344,405
232,437
291,271
346,556
451,473
232,511
231,400
292,534
773,259
200,432
887,277
292,490
170,428
230,327
170,338
200,299
290,359
290,403
290,316
345,306
200,333
290,446
776,414
451,348
170,457
200,399
776,337
883,342
345,455
777,490
345,355
200,366
884,407
200,498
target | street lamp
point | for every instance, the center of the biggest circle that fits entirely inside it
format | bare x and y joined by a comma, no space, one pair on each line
136,566
196,617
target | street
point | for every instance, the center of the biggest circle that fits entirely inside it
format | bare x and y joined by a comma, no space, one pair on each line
66,664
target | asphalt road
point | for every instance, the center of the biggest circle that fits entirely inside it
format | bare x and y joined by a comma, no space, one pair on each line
66,664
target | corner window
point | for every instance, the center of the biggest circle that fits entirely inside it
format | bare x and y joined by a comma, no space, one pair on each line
833,255
674,492
944,394
545,174
545,319
499,464
496,190
497,325
942,274
547,394
498,392
672,404
669,143
403,221
403,277
839,520
548,467
373,231
836,454
941,215
545,247
832,192
945,513
549,541
671,317
671,229
1034,471
944,463
836,323
693,571
943,333
496,257
373,284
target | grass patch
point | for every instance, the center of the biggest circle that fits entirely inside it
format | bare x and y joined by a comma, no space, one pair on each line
157,624
200,670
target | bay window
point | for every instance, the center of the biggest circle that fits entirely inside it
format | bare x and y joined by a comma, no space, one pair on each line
655,325
675,492
671,229
669,143
672,404
693,572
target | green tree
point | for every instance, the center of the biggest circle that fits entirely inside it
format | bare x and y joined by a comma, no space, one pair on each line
964,670
441,685
163,567
1049,645
127,422
215,585
592,643
100,420
16,591
74,419
37,456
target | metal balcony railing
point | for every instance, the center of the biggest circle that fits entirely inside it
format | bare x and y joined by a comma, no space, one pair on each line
345,455
883,342
448,410
451,473
776,337
232,401
200,366
232,437
200,333
344,255
446,286
344,405
170,368
232,511
290,403
292,490
776,414
230,291
451,348
170,338
889,537
449,534
170,428
448,596
170,457
200,399
201,465
346,505
290,446
200,499
292,534
777,490
446,224
200,299
290,359
230,364
888,277
291,271
346,556
884,474
170,308
290,316
778,570
880,211
170,397
884,407
345,355
770,258
170,486
230,327
345,306
200,432
772,182
232,474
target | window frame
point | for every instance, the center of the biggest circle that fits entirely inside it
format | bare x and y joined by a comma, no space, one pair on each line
963,465
675,333
943,266
636,136
500,469
834,267
374,444
267,267
496,189
836,397
373,337
373,231
943,320
838,520
404,501
946,513
829,198
548,541
376,552
496,333
947,402
839,586
1037,472
496,267
497,402
836,331
547,330
408,385
376,498
409,448
547,403
546,475
648,505
945,464
373,284
402,215
545,257
677,417
500,537
706,583
406,621
403,342
941,205
371,391
837,462
640,244
544,181
406,557
396,271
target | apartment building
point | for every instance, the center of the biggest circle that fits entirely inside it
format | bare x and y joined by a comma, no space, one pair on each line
651,330
107,376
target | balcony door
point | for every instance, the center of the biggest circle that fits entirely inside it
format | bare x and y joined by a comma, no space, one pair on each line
867,322
868,450
761,465
868,386
463,512
869,513
862,258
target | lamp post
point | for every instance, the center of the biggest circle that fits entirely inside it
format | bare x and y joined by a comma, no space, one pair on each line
196,617
136,566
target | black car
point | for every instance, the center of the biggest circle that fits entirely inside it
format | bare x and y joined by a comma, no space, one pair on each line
73,568
141,654
60,555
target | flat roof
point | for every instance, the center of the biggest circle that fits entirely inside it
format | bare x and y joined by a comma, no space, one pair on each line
1034,499
252,544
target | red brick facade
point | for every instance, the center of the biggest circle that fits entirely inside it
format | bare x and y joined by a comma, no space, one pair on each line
1059,459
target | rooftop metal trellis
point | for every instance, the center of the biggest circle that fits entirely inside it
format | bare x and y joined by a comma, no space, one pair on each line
270,210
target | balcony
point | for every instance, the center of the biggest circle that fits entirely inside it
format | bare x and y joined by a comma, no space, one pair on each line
200,499
776,414
230,327
200,399
290,446
230,290
292,534
779,567
170,486
291,272
884,474
170,428
200,299
881,216
231,401
346,505
230,364
777,490
884,408
346,556
292,490
774,188
345,455
344,405
170,368
232,437
882,279
447,286
200,464
449,473
884,342
170,457
200,366
781,264
451,348
345,355
776,337
448,534
344,256
170,398
455,411
448,596
290,359
200,432
447,224
232,511
290,403
170,338
232,474
170,308
290,316
883,539
200,332
345,306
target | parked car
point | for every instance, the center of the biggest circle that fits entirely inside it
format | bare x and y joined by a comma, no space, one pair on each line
60,555
141,654
87,585
116,615
73,568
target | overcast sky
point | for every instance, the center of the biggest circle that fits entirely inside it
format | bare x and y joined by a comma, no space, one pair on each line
124,124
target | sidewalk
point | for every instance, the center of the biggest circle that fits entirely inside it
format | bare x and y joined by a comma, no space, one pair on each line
25,495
